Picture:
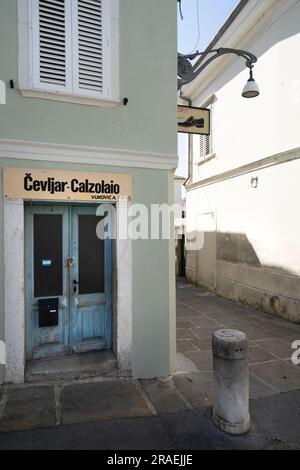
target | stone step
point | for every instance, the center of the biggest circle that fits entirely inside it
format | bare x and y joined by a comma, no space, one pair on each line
78,366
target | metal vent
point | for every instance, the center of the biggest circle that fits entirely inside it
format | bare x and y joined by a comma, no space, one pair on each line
90,49
52,33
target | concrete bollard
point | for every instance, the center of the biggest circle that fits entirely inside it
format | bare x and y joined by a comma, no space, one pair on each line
231,381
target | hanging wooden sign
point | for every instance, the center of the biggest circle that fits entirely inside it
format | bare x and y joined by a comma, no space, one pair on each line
193,120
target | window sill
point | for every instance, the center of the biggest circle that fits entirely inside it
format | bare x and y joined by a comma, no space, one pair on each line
208,158
75,99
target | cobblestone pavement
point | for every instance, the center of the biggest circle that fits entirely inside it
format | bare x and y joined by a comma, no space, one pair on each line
199,314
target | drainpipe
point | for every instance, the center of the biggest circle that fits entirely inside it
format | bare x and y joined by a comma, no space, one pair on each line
190,163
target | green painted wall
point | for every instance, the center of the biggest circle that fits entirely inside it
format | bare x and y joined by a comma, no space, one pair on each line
154,319
153,271
148,63
148,78
2,369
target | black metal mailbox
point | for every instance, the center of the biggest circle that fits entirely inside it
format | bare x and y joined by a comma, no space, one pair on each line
48,312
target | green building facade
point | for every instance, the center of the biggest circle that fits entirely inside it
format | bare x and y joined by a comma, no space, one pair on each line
90,89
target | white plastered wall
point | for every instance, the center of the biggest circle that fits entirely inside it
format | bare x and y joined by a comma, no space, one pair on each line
14,303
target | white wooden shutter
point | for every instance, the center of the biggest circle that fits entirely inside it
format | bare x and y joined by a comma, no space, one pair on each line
91,47
202,147
90,50
205,146
206,142
52,33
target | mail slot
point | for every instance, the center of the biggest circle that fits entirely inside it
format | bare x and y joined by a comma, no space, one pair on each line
48,312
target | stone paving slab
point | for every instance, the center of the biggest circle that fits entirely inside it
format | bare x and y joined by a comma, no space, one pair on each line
201,321
103,400
197,388
203,344
184,365
244,321
164,396
206,332
211,311
202,359
289,360
197,317
184,346
279,374
185,333
279,347
255,332
184,324
282,329
257,354
184,311
193,385
279,414
29,408
258,388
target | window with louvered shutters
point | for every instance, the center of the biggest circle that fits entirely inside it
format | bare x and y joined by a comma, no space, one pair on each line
71,41
206,142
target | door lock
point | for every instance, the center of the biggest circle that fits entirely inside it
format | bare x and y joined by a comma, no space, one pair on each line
69,263
75,284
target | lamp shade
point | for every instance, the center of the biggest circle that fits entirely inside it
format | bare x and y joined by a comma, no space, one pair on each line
251,89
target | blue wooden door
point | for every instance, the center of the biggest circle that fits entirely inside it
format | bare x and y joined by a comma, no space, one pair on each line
68,264
91,303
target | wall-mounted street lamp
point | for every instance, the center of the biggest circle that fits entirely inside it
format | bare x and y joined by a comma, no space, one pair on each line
187,74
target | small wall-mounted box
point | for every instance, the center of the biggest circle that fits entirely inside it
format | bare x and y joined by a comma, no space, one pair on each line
48,312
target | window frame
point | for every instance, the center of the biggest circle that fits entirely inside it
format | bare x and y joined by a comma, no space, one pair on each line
209,103
28,39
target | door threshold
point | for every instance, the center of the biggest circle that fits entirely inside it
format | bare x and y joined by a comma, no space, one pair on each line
77,366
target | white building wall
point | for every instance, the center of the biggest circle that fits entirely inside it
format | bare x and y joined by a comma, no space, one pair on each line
257,230
178,191
14,290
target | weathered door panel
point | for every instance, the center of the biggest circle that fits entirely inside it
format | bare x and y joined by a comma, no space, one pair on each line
47,278
90,283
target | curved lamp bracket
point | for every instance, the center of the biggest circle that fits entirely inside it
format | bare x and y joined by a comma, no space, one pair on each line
187,74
